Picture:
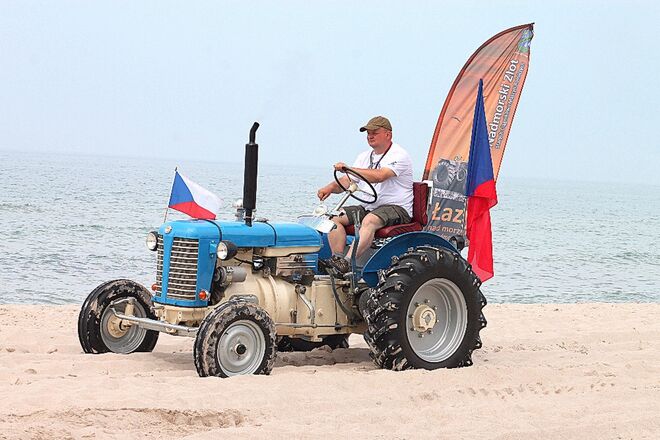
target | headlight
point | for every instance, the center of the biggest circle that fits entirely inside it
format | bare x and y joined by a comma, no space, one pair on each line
227,250
152,241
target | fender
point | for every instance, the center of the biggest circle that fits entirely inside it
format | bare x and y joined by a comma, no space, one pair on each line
396,247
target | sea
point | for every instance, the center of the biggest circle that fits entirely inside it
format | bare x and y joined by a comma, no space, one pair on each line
70,222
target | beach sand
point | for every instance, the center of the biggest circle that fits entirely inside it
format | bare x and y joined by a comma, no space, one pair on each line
562,371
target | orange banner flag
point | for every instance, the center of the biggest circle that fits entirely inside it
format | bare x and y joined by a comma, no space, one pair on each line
502,62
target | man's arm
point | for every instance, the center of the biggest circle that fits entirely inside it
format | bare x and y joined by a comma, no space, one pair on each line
332,188
373,176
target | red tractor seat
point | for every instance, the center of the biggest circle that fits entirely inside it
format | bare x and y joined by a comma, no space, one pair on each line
419,217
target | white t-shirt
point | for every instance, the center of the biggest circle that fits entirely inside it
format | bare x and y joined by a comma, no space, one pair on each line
396,190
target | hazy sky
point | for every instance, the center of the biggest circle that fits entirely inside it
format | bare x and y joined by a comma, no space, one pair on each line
186,79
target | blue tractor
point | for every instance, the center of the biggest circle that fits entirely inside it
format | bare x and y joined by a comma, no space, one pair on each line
248,288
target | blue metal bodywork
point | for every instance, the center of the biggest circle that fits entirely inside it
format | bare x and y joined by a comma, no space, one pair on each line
397,247
206,257
208,234
260,234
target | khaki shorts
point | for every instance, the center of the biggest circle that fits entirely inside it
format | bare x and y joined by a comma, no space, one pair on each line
390,214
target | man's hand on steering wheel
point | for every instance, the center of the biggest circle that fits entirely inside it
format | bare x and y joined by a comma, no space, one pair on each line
371,193
340,166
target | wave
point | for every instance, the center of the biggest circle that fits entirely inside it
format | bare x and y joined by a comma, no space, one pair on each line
19,207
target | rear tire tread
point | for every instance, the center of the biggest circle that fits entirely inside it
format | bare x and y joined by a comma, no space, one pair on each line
386,304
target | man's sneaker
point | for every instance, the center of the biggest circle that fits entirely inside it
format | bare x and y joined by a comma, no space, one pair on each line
339,264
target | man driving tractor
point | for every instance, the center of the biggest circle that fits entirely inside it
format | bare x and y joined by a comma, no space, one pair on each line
388,167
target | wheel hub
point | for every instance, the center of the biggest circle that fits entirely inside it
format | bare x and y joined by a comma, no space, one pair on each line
118,335
241,348
436,320
115,328
423,318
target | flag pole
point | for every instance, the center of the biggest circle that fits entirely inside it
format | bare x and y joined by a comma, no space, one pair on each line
176,170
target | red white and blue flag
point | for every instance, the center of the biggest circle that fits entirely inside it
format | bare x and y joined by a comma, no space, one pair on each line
190,198
481,194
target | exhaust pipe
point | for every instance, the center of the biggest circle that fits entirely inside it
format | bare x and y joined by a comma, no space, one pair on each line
250,175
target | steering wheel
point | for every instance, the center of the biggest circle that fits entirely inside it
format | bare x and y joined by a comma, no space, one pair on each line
351,172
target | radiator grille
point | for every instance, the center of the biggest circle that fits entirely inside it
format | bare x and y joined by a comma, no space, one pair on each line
182,278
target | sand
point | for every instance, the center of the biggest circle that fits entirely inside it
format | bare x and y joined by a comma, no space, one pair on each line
546,372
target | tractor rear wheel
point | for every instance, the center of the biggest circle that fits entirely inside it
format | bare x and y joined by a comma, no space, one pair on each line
426,312
100,331
235,338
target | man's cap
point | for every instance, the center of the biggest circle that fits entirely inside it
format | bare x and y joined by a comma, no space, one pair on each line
377,122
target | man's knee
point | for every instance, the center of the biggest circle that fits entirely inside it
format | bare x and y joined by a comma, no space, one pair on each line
341,220
372,222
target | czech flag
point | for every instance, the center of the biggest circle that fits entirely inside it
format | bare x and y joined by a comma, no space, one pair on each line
481,194
190,198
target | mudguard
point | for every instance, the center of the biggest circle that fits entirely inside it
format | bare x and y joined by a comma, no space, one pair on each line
397,247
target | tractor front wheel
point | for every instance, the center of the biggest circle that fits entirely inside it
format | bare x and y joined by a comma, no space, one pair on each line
235,338
426,312
100,331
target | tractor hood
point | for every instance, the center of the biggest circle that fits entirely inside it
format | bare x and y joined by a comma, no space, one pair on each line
260,234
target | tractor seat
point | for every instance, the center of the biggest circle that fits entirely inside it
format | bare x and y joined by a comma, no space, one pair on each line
419,217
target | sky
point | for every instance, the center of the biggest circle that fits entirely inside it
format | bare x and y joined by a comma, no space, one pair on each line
186,80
